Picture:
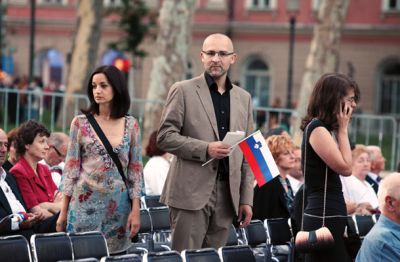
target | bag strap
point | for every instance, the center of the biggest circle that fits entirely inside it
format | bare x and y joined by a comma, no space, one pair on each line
108,146
304,186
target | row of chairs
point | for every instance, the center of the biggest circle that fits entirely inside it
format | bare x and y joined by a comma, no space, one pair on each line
151,201
53,247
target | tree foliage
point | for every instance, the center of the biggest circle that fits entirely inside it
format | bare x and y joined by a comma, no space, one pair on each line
135,20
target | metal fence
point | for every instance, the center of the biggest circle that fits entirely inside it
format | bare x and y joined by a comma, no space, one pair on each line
17,106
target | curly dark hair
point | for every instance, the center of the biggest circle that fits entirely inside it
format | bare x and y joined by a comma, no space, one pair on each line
152,148
27,133
325,99
121,101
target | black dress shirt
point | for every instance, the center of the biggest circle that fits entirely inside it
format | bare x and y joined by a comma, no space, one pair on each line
221,103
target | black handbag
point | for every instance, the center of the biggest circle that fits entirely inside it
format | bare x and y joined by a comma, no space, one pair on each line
109,149
315,240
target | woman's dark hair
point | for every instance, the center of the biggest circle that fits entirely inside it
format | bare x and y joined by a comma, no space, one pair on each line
27,133
121,101
325,99
152,148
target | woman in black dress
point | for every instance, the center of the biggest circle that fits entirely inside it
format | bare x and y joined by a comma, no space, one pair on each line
326,143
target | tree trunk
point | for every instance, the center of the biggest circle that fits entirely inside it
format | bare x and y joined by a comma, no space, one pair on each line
84,52
324,53
169,66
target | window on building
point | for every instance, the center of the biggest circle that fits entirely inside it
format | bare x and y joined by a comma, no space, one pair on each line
315,4
52,2
257,81
261,4
390,88
112,3
391,5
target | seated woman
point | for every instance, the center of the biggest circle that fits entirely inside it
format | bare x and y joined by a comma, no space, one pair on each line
359,195
156,169
275,198
34,180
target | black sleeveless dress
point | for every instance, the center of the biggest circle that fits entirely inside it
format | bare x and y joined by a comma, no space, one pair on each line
335,204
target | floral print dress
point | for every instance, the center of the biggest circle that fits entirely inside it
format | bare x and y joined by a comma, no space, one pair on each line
99,197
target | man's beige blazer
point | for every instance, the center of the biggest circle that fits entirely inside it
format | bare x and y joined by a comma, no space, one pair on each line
188,124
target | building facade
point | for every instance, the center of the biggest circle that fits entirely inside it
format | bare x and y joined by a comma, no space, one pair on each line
370,45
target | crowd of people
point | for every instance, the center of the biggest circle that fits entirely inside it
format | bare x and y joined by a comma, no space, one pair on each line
25,98
92,180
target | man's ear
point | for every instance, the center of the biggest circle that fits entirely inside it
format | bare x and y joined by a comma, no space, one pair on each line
389,203
233,58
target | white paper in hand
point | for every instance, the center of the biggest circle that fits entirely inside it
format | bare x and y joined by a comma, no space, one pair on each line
231,139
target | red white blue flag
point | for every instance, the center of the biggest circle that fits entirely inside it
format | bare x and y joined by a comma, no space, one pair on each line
259,157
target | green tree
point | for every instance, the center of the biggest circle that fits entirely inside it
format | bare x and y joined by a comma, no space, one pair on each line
135,21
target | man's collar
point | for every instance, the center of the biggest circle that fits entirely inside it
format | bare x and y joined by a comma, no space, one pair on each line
212,84
3,173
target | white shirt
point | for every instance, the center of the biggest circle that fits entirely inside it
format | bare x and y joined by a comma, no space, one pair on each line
294,183
155,173
14,203
55,175
358,191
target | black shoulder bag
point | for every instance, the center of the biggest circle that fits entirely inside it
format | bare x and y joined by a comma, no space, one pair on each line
109,149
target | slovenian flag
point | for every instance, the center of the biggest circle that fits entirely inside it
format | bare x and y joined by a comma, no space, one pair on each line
259,157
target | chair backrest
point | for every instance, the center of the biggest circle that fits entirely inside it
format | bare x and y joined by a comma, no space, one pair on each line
51,247
236,254
375,217
151,201
255,233
159,218
14,249
166,256
89,244
233,239
122,258
200,255
145,222
88,259
278,231
363,224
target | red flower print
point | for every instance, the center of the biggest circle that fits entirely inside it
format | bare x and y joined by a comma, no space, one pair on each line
121,232
112,207
136,166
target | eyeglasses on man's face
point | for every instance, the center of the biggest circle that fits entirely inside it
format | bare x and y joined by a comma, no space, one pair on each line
212,53
57,151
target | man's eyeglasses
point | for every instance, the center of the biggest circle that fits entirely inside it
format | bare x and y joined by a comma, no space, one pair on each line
220,53
5,144
57,151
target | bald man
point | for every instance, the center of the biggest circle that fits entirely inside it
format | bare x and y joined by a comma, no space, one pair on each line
203,200
383,241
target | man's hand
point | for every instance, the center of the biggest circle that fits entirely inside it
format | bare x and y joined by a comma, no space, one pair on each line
30,221
245,214
218,150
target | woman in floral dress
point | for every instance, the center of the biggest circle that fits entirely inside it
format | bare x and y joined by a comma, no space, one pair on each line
95,195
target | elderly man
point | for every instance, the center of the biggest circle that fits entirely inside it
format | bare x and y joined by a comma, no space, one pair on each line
14,219
383,241
199,112
377,166
55,157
